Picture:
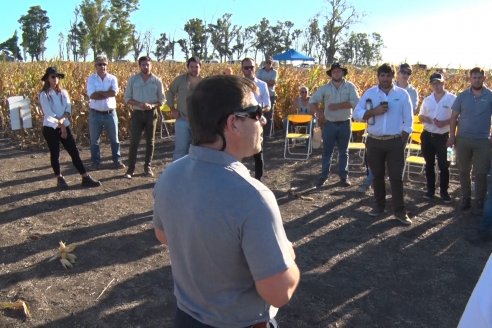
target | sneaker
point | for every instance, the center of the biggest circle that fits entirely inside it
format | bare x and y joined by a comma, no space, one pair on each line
403,218
128,175
320,183
148,172
377,211
465,204
429,195
88,181
446,198
345,182
61,183
119,165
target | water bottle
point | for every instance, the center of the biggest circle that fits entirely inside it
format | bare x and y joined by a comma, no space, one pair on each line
451,156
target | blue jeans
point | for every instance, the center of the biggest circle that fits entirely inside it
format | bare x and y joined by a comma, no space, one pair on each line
182,139
336,133
97,122
486,225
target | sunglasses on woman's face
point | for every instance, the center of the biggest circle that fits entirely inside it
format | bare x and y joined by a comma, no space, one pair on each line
54,77
252,112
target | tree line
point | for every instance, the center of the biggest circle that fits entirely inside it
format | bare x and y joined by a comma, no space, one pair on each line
104,26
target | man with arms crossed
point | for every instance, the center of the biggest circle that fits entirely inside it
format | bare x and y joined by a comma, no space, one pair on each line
248,66
339,96
102,88
145,94
471,115
389,125
178,92
435,114
232,263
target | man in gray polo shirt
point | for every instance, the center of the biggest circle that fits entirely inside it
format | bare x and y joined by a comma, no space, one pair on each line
232,263
471,114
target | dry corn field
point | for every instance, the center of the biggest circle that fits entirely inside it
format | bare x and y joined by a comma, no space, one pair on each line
24,79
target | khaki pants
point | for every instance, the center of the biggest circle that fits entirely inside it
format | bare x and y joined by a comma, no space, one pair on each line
476,152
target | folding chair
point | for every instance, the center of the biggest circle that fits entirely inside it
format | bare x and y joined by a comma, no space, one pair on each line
164,122
359,147
417,163
292,139
413,145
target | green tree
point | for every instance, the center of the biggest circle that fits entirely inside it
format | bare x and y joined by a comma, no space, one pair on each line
163,47
222,35
95,16
362,49
10,47
339,18
117,41
197,37
35,25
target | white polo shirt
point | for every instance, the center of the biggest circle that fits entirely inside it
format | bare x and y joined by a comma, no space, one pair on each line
437,110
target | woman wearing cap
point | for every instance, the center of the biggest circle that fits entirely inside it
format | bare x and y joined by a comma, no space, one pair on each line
56,107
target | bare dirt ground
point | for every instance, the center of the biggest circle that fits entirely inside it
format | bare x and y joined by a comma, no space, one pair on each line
357,271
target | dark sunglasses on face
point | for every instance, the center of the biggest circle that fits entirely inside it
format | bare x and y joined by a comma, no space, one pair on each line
102,64
252,112
54,77
248,67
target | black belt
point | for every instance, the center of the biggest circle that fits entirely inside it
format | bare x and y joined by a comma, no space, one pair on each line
104,112
338,122
438,135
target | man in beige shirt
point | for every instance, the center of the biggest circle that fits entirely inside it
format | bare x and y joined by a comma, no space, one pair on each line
145,94
178,92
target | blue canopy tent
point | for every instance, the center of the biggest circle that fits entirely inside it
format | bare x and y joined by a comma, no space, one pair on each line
292,55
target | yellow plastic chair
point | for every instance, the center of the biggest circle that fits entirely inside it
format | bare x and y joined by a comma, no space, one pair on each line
292,148
165,110
413,146
358,147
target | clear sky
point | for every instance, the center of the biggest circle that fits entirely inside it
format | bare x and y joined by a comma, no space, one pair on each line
447,33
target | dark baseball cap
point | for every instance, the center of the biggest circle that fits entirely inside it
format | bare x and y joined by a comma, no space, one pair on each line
436,77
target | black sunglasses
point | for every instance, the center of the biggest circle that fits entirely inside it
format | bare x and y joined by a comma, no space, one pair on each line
253,112
248,67
54,77
102,64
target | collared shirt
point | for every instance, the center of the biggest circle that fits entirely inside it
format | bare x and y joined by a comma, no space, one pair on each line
437,110
231,237
270,75
399,116
414,96
54,106
178,92
263,97
95,83
149,91
330,94
474,113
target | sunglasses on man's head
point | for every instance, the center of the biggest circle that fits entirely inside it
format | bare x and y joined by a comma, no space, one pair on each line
252,112
248,67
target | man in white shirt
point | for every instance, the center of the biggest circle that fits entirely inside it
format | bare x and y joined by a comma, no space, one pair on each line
248,66
102,88
388,110
435,114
